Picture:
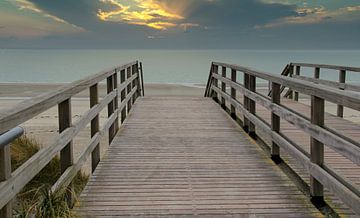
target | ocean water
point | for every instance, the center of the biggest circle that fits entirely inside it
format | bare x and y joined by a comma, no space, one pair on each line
160,66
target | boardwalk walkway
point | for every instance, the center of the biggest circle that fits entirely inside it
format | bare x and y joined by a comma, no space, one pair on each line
185,156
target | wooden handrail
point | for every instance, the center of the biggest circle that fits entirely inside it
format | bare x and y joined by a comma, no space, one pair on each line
129,88
340,84
29,108
348,99
320,134
327,66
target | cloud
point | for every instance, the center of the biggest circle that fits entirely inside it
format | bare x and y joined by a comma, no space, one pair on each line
23,27
184,23
187,26
235,14
27,5
146,12
307,15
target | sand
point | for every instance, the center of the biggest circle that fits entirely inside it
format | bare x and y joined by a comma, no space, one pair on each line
44,127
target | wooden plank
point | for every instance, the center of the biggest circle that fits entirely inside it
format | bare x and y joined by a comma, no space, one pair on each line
70,173
166,169
138,81
133,84
327,180
142,79
223,87
111,106
349,149
128,81
297,73
342,86
233,94
291,74
316,73
342,79
129,87
215,70
209,83
67,153
116,101
95,125
275,120
245,102
327,66
345,98
5,174
317,148
252,104
29,108
123,94
27,171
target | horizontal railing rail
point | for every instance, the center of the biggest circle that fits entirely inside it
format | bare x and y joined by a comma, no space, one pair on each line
294,70
130,88
321,174
327,66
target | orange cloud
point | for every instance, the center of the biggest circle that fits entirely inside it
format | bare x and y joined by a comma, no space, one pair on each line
149,13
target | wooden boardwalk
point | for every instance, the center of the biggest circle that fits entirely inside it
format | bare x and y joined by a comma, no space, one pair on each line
185,156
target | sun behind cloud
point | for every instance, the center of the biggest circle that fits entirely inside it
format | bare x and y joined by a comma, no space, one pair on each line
150,13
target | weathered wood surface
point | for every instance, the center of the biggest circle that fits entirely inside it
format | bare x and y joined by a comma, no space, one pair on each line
346,168
327,66
347,99
185,156
31,107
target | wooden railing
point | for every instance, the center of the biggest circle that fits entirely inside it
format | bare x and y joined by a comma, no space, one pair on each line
321,174
294,70
130,88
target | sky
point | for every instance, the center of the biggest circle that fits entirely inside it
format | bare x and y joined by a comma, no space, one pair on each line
180,24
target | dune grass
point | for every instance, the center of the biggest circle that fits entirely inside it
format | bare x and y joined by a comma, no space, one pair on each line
36,199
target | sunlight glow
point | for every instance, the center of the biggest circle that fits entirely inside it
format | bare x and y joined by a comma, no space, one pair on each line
141,12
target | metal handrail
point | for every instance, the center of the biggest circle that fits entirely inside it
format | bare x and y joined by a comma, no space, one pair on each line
9,136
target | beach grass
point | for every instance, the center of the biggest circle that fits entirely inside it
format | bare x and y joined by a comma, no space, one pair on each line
36,198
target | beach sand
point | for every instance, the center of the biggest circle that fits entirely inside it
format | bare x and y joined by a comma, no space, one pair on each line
44,127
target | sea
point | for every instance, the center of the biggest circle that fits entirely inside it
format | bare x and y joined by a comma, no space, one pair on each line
161,66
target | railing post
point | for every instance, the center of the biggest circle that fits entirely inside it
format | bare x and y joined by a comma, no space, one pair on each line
215,83
111,106
291,73
123,95
297,73
246,102
317,148
142,79
138,94
275,121
116,100
133,83
252,105
223,87
317,73
5,174
94,100
342,79
128,75
66,154
233,94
